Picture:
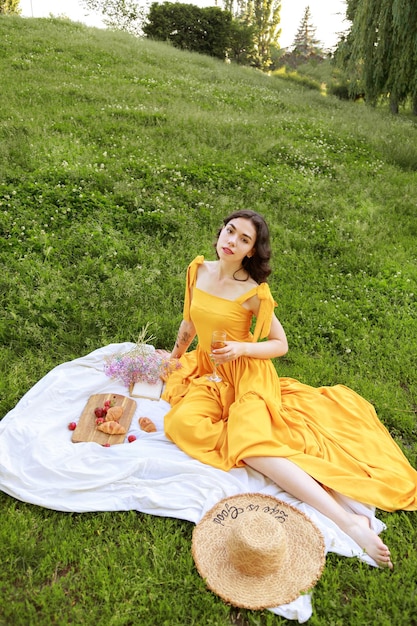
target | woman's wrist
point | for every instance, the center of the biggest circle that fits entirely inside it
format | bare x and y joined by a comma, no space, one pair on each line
246,351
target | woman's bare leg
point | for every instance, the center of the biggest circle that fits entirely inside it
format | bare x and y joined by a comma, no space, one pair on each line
295,481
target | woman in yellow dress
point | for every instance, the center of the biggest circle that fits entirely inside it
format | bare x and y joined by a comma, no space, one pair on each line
308,440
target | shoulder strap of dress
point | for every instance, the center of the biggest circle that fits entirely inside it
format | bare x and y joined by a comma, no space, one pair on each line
191,279
266,310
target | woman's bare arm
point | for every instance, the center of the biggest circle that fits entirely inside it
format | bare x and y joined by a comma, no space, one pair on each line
186,334
276,345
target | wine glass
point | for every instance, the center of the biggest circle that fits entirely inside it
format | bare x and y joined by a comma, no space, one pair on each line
218,340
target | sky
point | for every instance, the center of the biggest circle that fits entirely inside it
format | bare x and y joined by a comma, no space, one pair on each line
326,15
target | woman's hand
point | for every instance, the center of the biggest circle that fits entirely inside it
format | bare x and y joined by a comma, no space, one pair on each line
231,351
275,346
165,354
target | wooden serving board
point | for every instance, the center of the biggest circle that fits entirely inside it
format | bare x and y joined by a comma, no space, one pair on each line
86,427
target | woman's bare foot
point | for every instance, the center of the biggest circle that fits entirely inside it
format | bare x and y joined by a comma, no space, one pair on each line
357,527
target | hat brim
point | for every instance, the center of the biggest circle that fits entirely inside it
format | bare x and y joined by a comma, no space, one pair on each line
298,572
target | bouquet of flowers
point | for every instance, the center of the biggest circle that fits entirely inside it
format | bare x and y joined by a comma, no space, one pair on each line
140,364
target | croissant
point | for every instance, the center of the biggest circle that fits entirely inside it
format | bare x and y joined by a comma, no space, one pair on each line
147,425
114,414
112,428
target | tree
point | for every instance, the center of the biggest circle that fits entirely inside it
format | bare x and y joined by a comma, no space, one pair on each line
124,15
305,42
204,30
305,46
380,50
217,32
263,17
265,21
402,80
241,47
9,7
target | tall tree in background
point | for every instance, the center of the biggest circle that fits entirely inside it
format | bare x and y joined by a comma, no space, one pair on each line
305,48
9,7
305,41
380,50
263,17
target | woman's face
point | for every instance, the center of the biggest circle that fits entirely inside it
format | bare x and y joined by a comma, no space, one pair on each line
237,239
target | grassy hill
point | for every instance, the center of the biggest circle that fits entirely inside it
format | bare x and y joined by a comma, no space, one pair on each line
118,159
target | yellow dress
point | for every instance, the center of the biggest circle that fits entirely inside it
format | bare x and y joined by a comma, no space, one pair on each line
332,433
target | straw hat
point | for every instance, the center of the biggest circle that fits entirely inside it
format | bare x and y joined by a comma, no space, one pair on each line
257,552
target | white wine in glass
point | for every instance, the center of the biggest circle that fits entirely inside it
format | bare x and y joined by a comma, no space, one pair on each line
218,340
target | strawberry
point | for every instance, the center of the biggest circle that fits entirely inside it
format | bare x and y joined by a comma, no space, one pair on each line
98,412
131,438
99,420
72,425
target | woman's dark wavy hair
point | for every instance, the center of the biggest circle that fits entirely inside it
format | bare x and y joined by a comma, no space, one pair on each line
257,265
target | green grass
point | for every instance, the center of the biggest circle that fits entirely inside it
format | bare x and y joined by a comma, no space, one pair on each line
118,159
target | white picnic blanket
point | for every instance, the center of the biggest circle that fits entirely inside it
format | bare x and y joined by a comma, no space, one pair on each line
39,463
